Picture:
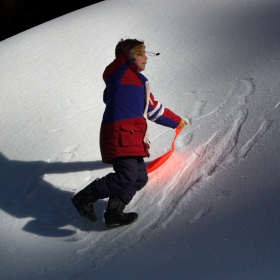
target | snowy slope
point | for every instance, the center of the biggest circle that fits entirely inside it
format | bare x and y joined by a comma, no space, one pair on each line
212,211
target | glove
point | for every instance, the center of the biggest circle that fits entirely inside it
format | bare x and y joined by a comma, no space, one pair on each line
182,124
136,51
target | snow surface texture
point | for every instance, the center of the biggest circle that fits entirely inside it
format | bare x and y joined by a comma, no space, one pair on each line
212,210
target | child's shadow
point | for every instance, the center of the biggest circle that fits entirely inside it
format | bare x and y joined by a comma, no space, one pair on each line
25,194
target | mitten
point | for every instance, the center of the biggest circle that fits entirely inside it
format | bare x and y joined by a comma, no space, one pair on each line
182,124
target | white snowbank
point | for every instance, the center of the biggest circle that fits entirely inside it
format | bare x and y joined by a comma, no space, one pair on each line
211,212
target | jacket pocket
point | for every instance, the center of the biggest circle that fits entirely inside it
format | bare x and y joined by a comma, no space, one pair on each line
131,135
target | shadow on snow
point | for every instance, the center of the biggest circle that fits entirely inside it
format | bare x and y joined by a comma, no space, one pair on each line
25,193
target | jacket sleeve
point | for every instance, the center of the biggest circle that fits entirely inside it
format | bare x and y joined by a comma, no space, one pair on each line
115,70
161,115
105,95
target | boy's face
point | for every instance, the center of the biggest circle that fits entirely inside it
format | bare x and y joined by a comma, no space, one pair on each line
141,61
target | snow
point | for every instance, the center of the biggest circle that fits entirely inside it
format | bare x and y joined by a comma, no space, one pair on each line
212,210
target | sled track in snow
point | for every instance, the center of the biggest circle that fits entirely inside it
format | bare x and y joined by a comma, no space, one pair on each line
197,161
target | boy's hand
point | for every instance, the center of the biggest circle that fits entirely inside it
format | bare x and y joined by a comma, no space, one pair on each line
182,124
136,51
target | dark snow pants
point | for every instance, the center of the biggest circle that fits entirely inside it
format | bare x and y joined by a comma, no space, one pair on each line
130,176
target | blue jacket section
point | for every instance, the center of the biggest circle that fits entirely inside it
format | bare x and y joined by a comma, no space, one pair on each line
127,94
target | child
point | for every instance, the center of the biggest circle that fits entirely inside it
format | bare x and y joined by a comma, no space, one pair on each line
124,135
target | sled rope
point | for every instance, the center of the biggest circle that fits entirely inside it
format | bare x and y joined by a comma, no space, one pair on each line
155,164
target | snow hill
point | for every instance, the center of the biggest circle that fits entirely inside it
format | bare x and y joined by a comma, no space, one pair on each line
212,210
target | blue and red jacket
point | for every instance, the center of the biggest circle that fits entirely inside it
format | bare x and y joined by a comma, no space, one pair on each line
129,103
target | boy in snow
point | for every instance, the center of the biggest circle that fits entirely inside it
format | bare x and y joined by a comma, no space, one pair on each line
124,135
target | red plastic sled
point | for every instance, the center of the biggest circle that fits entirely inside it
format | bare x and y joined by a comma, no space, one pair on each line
155,164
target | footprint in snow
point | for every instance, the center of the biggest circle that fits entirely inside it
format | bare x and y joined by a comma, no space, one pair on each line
200,214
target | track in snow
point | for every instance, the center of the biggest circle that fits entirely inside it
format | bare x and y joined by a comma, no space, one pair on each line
197,159
201,152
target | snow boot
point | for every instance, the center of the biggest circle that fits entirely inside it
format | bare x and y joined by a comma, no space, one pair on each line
83,201
114,215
